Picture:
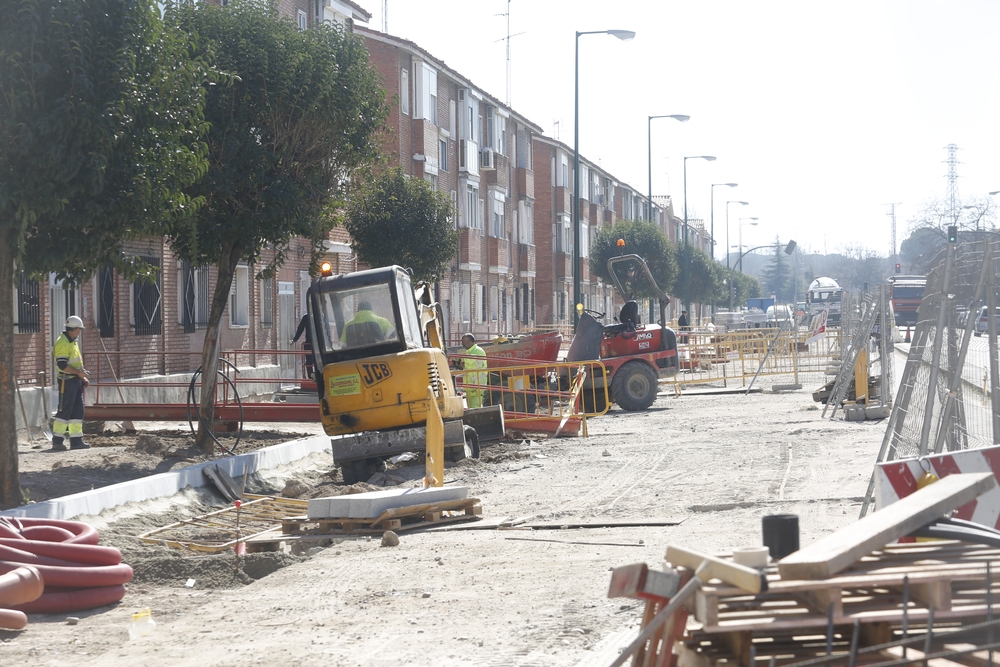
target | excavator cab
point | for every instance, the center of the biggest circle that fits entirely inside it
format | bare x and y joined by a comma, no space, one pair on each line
371,347
377,351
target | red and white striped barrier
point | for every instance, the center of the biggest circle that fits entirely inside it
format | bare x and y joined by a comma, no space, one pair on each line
898,479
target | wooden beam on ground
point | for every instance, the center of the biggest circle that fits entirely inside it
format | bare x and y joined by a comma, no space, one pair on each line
831,554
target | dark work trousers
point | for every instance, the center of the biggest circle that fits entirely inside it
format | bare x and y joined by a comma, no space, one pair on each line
69,418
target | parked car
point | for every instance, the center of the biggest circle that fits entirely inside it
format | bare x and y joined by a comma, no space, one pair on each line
982,324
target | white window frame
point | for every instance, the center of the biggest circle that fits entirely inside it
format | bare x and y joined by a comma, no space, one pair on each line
239,298
480,303
426,95
303,19
473,208
526,223
494,303
442,154
465,302
497,221
404,91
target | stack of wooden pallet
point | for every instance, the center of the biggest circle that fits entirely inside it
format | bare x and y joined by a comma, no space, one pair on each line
398,518
853,597
894,593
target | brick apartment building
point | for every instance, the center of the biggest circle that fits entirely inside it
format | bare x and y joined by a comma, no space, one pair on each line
512,191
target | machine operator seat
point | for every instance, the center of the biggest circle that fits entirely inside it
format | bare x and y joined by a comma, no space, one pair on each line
363,334
629,315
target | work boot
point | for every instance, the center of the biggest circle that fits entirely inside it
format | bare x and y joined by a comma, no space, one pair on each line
58,445
78,443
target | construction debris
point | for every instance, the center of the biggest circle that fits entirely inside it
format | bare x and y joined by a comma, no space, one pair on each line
846,598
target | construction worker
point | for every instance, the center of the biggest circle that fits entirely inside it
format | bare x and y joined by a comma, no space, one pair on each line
476,361
366,314
72,379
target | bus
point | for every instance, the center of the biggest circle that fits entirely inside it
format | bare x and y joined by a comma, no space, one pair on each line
906,293
825,294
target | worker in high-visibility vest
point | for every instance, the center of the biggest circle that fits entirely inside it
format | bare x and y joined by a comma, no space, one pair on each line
475,362
72,379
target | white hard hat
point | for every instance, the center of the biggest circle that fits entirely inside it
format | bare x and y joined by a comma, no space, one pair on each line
74,322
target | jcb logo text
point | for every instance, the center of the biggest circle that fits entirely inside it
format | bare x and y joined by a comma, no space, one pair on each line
372,374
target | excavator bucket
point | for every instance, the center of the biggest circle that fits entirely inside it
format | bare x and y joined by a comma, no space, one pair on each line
487,421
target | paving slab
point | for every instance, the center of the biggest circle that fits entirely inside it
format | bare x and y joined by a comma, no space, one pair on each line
371,505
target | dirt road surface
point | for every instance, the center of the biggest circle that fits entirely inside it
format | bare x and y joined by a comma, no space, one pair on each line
515,597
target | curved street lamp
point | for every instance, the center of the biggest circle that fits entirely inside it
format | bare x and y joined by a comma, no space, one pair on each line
712,213
741,203
752,224
624,35
687,272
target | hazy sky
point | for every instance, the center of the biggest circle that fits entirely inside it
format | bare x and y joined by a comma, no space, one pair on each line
821,111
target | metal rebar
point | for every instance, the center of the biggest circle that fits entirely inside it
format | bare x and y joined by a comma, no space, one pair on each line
929,637
829,630
854,643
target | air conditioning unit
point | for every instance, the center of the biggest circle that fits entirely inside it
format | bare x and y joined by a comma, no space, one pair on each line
487,159
602,200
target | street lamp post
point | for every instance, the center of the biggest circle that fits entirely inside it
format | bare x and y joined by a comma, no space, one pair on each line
687,272
712,214
752,224
711,233
623,35
649,146
741,203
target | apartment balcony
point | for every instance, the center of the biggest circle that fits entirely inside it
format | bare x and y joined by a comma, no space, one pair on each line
493,166
526,260
497,253
470,245
468,156
563,265
562,201
525,182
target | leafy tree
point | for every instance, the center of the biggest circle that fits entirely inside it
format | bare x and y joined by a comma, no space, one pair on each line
706,280
918,251
777,278
100,124
402,220
289,134
744,287
641,238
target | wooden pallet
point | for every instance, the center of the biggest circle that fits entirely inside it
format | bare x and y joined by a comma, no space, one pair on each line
396,519
791,619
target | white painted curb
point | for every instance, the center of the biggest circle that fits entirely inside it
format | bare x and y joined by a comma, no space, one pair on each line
169,483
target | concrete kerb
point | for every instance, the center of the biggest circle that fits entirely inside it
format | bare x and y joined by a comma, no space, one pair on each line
169,483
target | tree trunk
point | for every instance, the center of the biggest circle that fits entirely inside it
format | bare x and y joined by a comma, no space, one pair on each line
228,259
10,483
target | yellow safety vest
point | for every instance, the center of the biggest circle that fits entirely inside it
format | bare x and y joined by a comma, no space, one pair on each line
68,350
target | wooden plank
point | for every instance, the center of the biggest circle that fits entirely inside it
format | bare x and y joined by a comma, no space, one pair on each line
235,489
831,554
212,472
935,594
821,599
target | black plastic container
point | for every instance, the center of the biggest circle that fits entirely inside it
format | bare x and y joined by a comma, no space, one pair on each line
781,534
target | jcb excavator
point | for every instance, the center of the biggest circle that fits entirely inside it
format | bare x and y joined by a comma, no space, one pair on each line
377,347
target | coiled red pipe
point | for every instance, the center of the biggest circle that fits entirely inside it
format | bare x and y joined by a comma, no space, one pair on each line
77,573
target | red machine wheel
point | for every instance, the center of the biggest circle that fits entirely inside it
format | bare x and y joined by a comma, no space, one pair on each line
634,386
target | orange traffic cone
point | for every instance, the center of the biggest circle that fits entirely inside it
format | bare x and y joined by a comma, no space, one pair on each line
907,340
